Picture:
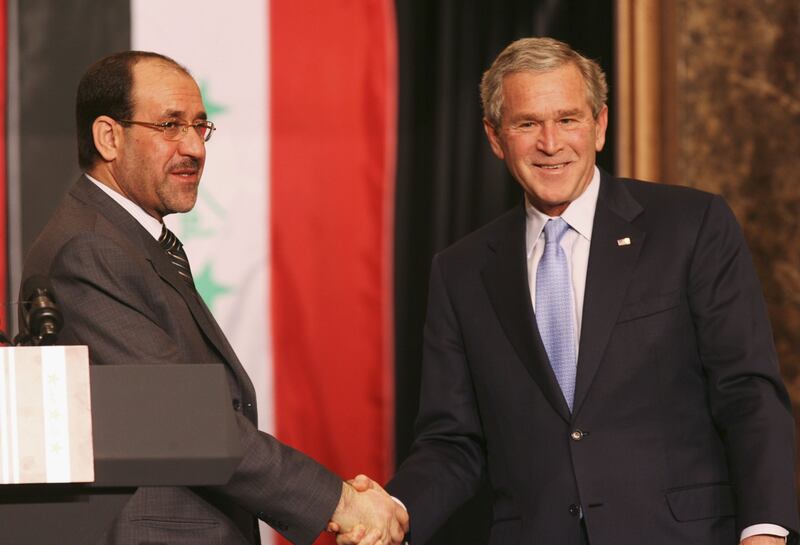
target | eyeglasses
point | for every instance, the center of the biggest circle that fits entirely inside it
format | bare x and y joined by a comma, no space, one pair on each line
176,130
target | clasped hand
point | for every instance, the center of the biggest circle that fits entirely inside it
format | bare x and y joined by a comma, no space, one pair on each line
367,515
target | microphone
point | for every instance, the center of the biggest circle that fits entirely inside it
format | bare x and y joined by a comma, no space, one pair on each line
42,317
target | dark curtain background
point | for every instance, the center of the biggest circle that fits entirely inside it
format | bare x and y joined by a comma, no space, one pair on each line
57,42
448,181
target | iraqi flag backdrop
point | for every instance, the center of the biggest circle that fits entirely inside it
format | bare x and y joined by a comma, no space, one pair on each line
291,235
291,232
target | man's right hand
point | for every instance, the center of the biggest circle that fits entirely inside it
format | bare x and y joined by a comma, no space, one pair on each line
367,515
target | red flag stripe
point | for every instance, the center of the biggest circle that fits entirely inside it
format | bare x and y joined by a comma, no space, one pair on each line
3,163
333,126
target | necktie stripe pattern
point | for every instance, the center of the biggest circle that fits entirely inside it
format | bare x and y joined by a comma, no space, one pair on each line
554,308
176,254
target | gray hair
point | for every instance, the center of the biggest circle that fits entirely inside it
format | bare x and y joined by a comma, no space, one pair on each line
539,55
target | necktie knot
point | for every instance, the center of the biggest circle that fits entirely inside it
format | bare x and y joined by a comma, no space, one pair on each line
177,256
554,229
169,241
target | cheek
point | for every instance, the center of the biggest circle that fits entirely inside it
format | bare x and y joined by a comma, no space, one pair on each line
584,143
163,153
518,152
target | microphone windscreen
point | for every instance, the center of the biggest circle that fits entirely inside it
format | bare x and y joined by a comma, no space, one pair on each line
35,285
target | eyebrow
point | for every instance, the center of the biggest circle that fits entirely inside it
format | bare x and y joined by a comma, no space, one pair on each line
180,114
559,114
569,113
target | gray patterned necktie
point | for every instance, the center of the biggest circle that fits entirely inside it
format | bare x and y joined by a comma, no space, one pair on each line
554,308
177,255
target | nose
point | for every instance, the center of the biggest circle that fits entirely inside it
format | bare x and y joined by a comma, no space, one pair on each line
549,141
192,145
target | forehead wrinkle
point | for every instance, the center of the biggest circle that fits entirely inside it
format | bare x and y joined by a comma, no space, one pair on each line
165,91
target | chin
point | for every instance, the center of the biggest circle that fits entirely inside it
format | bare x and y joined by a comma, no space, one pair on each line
182,206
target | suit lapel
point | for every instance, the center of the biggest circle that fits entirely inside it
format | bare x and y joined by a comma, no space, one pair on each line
611,263
505,278
202,315
86,191
164,268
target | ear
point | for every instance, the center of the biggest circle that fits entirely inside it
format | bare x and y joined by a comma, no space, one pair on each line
601,123
107,135
494,139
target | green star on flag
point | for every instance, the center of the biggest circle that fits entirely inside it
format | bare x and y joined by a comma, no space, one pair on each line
213,108
207,286
192,226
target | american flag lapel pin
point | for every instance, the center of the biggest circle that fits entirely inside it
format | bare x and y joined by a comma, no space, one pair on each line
624,241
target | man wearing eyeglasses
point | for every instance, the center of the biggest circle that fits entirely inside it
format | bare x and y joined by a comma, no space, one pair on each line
126,290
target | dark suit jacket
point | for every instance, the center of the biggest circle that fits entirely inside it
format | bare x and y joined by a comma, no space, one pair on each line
681,431
121,296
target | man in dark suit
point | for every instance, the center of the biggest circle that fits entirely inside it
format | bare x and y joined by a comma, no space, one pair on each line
126,291
601,355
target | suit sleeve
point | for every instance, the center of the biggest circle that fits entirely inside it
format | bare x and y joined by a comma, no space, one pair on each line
447,461
748,400
110,302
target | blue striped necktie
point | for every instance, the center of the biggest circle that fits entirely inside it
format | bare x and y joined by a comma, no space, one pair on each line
554,308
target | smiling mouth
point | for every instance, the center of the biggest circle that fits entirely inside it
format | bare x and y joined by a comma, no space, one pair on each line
556,166
185,173
187,168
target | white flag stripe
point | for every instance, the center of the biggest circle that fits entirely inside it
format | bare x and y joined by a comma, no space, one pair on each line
14,424
228,238
227,235
56,417
81,451
5,472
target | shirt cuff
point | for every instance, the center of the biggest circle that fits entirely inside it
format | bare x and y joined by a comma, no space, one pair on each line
764,529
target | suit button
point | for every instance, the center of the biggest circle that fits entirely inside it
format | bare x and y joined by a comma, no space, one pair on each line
574,510
576,435
237,405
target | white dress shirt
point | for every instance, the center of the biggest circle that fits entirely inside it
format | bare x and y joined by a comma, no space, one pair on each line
151,224
576,243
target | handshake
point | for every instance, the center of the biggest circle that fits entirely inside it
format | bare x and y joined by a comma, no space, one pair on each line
367,515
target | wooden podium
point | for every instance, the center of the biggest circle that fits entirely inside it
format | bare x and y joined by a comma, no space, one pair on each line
152,425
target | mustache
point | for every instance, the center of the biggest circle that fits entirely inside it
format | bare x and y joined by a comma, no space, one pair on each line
187,163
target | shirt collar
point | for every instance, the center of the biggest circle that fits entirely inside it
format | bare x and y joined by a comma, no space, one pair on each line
151,224
579,214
